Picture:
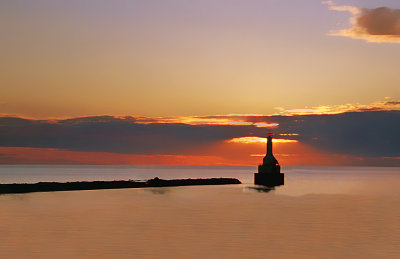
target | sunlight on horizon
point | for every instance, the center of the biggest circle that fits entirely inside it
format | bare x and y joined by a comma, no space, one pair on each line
253,140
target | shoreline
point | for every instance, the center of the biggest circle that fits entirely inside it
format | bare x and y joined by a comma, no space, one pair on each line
104,185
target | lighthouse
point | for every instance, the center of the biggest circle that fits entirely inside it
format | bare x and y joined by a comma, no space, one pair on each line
269,172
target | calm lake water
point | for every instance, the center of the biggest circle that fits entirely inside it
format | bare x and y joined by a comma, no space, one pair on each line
320,212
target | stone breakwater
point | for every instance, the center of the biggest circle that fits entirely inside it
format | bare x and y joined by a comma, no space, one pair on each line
99,185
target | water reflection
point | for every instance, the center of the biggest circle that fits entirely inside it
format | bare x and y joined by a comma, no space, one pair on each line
158,191
14,196
260,188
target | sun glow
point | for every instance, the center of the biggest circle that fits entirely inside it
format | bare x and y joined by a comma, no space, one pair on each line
254,140
265,125
229,120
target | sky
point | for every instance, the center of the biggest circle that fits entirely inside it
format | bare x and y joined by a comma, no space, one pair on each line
191,82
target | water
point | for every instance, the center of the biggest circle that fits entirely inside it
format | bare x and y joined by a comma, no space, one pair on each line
319,213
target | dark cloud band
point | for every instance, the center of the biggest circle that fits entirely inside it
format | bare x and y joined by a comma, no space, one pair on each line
368,133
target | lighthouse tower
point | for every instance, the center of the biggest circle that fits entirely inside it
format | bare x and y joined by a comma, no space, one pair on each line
269,173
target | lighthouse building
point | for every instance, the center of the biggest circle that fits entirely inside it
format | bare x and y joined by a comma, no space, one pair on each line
270,165
269,172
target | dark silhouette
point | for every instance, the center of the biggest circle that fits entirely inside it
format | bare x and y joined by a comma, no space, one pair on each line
264,189
269,173
96,185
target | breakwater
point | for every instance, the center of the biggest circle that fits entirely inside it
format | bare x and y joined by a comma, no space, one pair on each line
99,185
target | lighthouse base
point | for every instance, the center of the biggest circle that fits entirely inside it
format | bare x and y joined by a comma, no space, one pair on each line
269,179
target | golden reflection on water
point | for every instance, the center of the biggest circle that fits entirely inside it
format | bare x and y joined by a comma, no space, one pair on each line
198,222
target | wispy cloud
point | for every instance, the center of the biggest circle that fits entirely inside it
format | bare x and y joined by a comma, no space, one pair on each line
342,8
230,119
386,105
380,24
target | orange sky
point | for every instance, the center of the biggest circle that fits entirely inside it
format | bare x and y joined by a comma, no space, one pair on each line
196,64
224,154
172,58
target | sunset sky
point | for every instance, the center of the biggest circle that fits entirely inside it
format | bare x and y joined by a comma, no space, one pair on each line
178,82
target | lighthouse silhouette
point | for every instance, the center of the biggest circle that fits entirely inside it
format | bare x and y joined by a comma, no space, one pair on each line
269,173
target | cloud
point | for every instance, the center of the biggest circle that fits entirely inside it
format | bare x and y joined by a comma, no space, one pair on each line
230,119
381,24
342,108
351,130
366,133
116,134
342,8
